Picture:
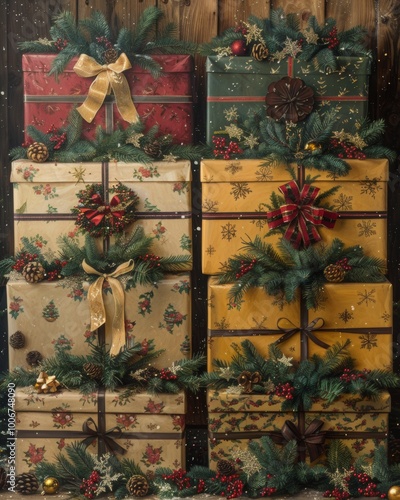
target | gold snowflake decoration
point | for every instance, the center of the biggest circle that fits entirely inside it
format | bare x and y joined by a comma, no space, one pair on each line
354,139
290,49
338,479
310,36
226,373
234,389
234,132
285,360
254,33
170,157
135,139
46,41
231,114
251,141
251,465
222,52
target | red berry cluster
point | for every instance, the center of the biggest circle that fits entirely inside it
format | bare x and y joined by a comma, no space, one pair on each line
356,481
59,140
333,40
54,274
241,28
223,150
23,259
347,150
284,390
89,486
179,478
60,44
233,485
201,486
152,259
268,491
105,41
166,374
349,376
245,267
344,264
337,494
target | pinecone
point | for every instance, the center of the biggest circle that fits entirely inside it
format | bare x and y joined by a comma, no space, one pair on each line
225,468
137,486
93,371
334,273
38,152
259,51
33,272
152,149
17,340
149,373
33,358
110,56
3,478
26,483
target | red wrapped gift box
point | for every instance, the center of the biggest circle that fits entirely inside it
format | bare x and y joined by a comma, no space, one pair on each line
166,101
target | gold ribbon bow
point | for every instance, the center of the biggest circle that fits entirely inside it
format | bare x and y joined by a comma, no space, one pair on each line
98,316
108,77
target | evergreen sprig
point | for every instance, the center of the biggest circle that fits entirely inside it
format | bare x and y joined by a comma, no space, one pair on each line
293,270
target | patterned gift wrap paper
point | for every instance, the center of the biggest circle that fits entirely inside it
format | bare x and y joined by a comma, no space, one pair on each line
243,82
55,316
45,193
235,195
361,312
166,102
146,428
237,419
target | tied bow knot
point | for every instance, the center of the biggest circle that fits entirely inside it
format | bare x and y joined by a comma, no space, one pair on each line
308,331
109,78
114,210
108,437
312,439
301,215
98,316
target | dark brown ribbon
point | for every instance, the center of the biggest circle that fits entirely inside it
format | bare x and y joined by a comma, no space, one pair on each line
107,437
306,331
311,439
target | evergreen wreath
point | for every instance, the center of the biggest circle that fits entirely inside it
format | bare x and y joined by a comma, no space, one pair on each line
284,273
281,37
94,37
100,218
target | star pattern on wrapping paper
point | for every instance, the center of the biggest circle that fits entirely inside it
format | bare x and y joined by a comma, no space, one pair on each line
78,174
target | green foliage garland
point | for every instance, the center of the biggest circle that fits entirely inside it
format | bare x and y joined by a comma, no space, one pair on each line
94,37
291,270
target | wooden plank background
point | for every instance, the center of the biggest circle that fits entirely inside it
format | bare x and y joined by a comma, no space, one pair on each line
199,21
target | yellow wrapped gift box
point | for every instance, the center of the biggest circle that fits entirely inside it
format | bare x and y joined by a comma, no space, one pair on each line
237,419
56,316
45,194
236,195
146,428
361,312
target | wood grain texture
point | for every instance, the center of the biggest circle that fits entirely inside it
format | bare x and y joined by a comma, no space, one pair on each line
232,12
304,9
349,13
119,13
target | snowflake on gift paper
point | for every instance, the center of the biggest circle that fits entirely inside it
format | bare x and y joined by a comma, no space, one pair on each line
264,173
240,190
228,232
368,341
343,203
260,223
370,186
366,297
210,205
385,316
210,250
234,167
346,316
185,242
231,114
221,325
78,174
366,228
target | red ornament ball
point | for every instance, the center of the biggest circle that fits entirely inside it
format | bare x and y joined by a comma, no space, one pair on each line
239,47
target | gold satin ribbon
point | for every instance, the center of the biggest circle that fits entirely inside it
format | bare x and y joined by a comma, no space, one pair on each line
115,326
108,77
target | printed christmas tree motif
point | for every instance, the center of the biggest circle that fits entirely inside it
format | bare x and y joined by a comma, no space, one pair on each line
34,455
62,418
228,231
264,173
172,318
144,304
46,191
178,422
153,407
346,316
77,294
182,286
240,190
185,242
180,187
368,341
343,203
50,312
15,307
366,297
210,250
159,231
386,316
147,172
185,346
260,223
232,304
221,325
234,167
366,228
152,456
62,343
210,206
78,174
370,186
28,173
126,420
61,444
51,210
150,207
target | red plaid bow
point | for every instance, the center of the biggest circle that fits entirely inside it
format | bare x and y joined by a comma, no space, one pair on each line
112,210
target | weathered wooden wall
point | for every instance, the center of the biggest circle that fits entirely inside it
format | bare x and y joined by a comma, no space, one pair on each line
198,21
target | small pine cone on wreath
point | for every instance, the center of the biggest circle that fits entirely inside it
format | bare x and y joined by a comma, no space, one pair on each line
110,56
153,149
334,273
17,340
225,468
38,152
93,371
259,51
137,485
26,483
33,272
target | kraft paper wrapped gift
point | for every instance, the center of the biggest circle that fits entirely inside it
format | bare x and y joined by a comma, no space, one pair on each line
361,312
166,102
45,194
56,316
237,419
152,427
235,195
243,82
